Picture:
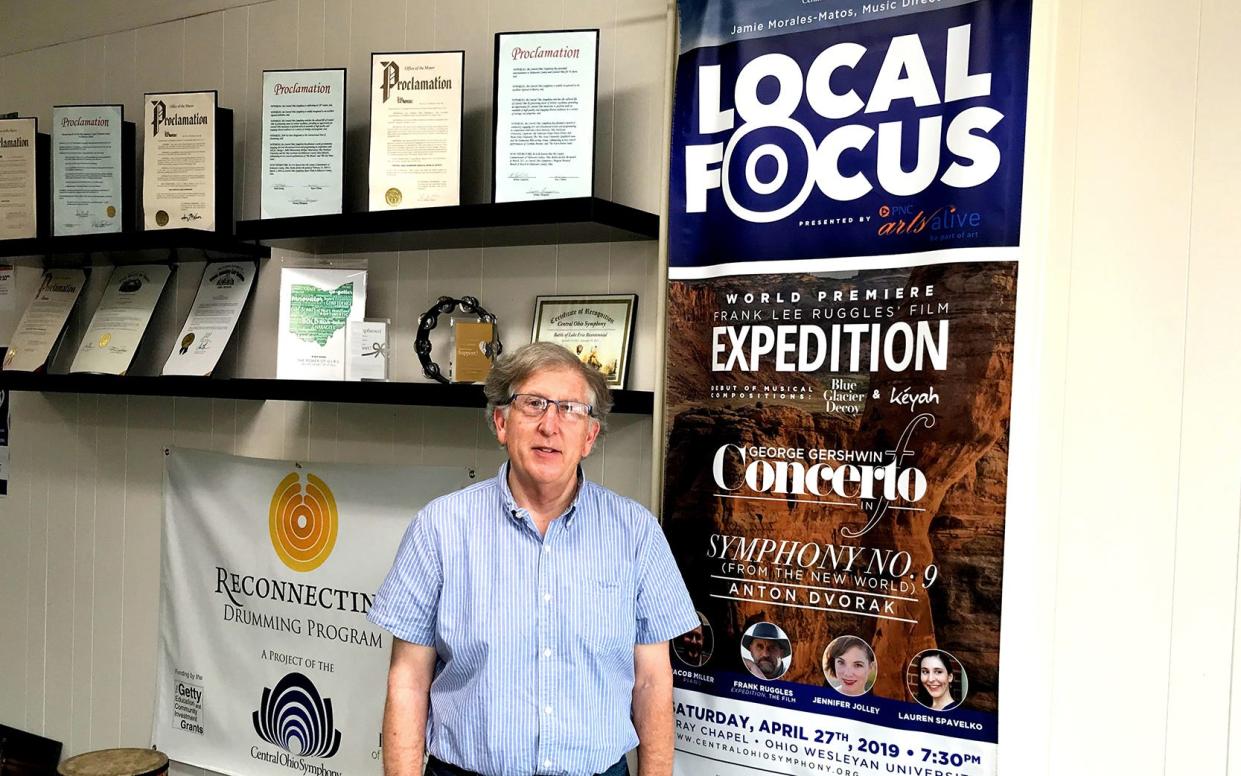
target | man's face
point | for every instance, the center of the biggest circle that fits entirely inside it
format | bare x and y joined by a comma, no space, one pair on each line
691,645
767,656
545,451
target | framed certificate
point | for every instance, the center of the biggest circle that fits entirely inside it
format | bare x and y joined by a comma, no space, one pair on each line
92,170
120,321
44,320
222,293
303,143
23,156
544,113
597,329
187,162
415,152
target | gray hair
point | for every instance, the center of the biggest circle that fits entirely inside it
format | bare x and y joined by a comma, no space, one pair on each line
513,369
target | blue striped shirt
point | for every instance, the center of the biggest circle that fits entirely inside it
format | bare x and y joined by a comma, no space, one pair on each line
535,634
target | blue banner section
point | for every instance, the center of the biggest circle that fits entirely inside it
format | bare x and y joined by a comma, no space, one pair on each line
889,135
898,715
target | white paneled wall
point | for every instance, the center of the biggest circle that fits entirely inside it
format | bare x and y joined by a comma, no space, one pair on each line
79,532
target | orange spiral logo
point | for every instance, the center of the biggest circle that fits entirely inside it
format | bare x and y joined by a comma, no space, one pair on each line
303,522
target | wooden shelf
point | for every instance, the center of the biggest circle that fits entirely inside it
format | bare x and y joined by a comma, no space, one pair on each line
420,394
164,245
578,220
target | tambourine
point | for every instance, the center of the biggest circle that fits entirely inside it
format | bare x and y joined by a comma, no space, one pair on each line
445,305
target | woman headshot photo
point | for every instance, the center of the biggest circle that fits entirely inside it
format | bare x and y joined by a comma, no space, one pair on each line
937,680
849,666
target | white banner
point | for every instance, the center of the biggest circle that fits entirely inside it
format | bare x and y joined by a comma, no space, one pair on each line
267,664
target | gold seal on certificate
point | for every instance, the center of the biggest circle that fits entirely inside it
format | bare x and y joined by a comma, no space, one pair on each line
416,103
597,329
187,173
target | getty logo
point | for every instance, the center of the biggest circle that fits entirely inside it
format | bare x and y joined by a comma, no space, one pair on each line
295,718
303,522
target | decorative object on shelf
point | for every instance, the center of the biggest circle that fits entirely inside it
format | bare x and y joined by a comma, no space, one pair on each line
303,143
544,108
416,109
315,306
23,179
598,329
367,343
488,349
92,170
222,295
116,328
187,162
44,320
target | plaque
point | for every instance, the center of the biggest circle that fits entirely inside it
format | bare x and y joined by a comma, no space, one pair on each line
303,143
415,152
44,320
92,169
368,350
545,89
316,305
187,169
19,178
472,350
222,294
116,329
475,341
597,329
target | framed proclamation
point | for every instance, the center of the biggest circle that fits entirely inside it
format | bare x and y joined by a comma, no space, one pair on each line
544,113
303,143
187,162
92,170
23,182
415,152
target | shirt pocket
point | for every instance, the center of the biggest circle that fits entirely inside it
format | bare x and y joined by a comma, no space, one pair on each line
605,612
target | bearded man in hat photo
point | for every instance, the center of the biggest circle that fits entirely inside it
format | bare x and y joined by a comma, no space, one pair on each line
768,646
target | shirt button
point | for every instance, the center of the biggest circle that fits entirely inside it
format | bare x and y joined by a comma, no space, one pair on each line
547,653
546,549
547,709
547,763
547,596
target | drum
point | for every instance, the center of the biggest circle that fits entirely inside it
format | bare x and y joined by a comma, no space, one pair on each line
116,762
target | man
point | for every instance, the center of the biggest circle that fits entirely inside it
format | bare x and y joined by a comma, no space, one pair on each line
532,611
768,648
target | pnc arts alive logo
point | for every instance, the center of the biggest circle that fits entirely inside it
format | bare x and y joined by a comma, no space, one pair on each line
303,521
294,717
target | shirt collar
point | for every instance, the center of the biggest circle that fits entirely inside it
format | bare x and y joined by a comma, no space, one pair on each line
519,514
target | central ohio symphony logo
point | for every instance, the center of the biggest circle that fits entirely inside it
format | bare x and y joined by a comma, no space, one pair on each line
294,717
303,521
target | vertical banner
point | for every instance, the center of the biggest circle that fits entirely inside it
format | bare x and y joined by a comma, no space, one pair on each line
267,664
843,247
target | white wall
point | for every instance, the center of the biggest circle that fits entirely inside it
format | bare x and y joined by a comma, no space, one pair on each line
1121,569
79,532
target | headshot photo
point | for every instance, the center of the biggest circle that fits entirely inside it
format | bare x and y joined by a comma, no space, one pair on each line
766,651
849,666
937,680
694,647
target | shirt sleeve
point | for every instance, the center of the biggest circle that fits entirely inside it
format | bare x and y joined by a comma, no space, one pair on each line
664,608
408,599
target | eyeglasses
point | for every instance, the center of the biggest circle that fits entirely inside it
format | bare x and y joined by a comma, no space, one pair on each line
533,406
